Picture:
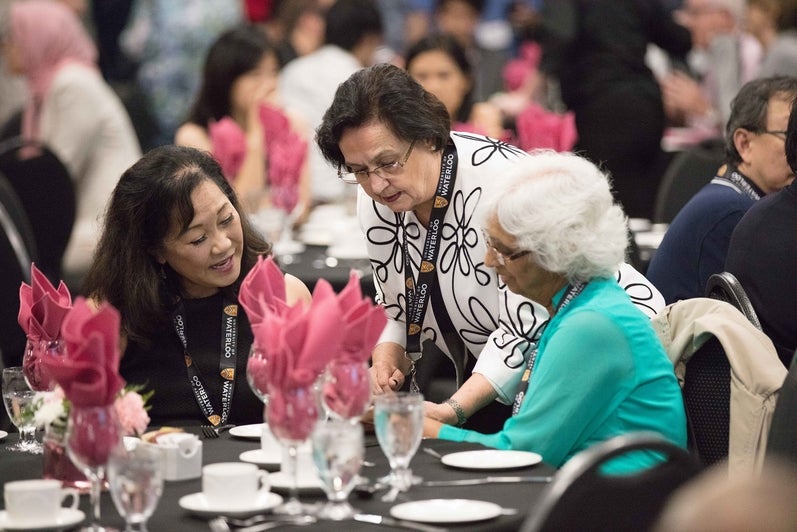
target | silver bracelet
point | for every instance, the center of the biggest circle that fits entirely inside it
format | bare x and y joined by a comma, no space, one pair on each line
461,417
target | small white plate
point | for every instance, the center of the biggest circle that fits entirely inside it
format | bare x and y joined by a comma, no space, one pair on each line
281,482
249,432
3,435
196,503
491,459
348,252
446,511
262,457
66,518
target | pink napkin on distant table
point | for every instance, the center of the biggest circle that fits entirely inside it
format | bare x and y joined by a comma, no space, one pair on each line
538,128
89,372
42,308
299,342
263,287
363,322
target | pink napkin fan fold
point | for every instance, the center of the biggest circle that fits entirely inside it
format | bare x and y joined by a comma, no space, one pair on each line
42,307
263,287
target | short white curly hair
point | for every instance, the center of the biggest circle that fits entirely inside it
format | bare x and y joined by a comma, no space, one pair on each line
560,207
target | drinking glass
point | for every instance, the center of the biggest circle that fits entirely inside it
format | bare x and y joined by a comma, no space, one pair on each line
136,483
338,451
36,349
93,434
18,398
291,414
398,421
346,389
256,373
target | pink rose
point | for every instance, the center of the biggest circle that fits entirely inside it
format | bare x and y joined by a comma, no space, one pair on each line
132,415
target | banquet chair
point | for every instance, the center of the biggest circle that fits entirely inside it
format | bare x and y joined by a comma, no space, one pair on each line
782,441
582,497
726,287
47,192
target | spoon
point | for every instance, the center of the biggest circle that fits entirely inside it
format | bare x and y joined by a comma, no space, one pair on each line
432,452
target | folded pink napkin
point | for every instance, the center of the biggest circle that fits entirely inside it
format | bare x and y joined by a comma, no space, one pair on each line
89,372
262,287
363,322
299,341
539,128
42,308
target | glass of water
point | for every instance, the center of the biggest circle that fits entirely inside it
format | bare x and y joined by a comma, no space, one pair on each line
338,451
18,398
135,478
398,420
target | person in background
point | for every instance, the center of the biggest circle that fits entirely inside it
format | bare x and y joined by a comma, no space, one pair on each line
302,27
236,116
174,249
441,66
696,242
774,24
556,219
762,254
307,84
419,186
73,111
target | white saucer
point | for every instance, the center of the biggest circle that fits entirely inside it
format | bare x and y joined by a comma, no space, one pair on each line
67,517
446,511
249,432
281,482
3,435
347,252
196,503
262,457
491,459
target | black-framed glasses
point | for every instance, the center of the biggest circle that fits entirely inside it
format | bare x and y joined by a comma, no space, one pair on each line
780,134
361,176
500,257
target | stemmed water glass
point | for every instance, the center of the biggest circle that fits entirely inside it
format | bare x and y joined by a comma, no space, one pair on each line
398,421
93,434
135,478
346,389
256,367
292,414
338,452
18,398
36,349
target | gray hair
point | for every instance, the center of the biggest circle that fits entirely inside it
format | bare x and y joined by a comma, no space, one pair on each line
560,207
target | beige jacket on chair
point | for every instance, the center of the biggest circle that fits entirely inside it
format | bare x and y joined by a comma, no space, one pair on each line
756,371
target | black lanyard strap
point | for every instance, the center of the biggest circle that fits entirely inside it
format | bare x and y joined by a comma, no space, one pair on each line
227,362
732,175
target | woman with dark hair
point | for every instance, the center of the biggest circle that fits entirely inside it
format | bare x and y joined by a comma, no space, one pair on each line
173,252
419,186
237,117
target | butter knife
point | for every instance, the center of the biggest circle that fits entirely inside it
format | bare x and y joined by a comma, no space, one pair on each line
486,480
399,523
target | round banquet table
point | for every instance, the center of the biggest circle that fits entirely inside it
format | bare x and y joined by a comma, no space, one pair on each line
169,516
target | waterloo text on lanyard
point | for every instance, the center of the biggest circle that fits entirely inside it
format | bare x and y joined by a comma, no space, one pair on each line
227,359
572,292
418,292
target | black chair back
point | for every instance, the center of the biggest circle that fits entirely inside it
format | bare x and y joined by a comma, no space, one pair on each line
582,498
47,192
724,286
782,442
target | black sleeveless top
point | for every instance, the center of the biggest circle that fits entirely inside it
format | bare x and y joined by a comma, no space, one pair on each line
161,367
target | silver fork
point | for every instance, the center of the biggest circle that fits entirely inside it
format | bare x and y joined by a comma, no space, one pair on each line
209,431
222,524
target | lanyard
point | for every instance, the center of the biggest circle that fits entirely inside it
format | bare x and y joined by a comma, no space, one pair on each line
732,175
570,295
419,291
227,359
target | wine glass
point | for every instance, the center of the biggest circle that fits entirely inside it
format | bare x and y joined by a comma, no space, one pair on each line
135,478
291,414
93,434
398,421
36,349
256,367
18,398
346,389
338,452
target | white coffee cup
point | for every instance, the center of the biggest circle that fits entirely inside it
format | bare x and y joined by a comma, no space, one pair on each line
37,501
231,485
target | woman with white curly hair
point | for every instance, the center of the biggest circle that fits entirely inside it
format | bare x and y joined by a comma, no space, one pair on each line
555,236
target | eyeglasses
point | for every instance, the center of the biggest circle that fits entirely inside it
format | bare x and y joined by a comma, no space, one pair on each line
780,134
502,258
384,171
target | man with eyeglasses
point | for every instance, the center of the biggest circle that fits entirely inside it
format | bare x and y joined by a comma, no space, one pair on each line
696,243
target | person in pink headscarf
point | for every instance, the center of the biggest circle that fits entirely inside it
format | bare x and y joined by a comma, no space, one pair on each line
72,110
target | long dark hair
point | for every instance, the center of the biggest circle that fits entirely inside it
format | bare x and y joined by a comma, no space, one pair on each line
150,196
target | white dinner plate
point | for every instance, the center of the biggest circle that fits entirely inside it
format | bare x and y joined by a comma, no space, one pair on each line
281,482
249,432
491,459
66,518
446,511
3,435
198,504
